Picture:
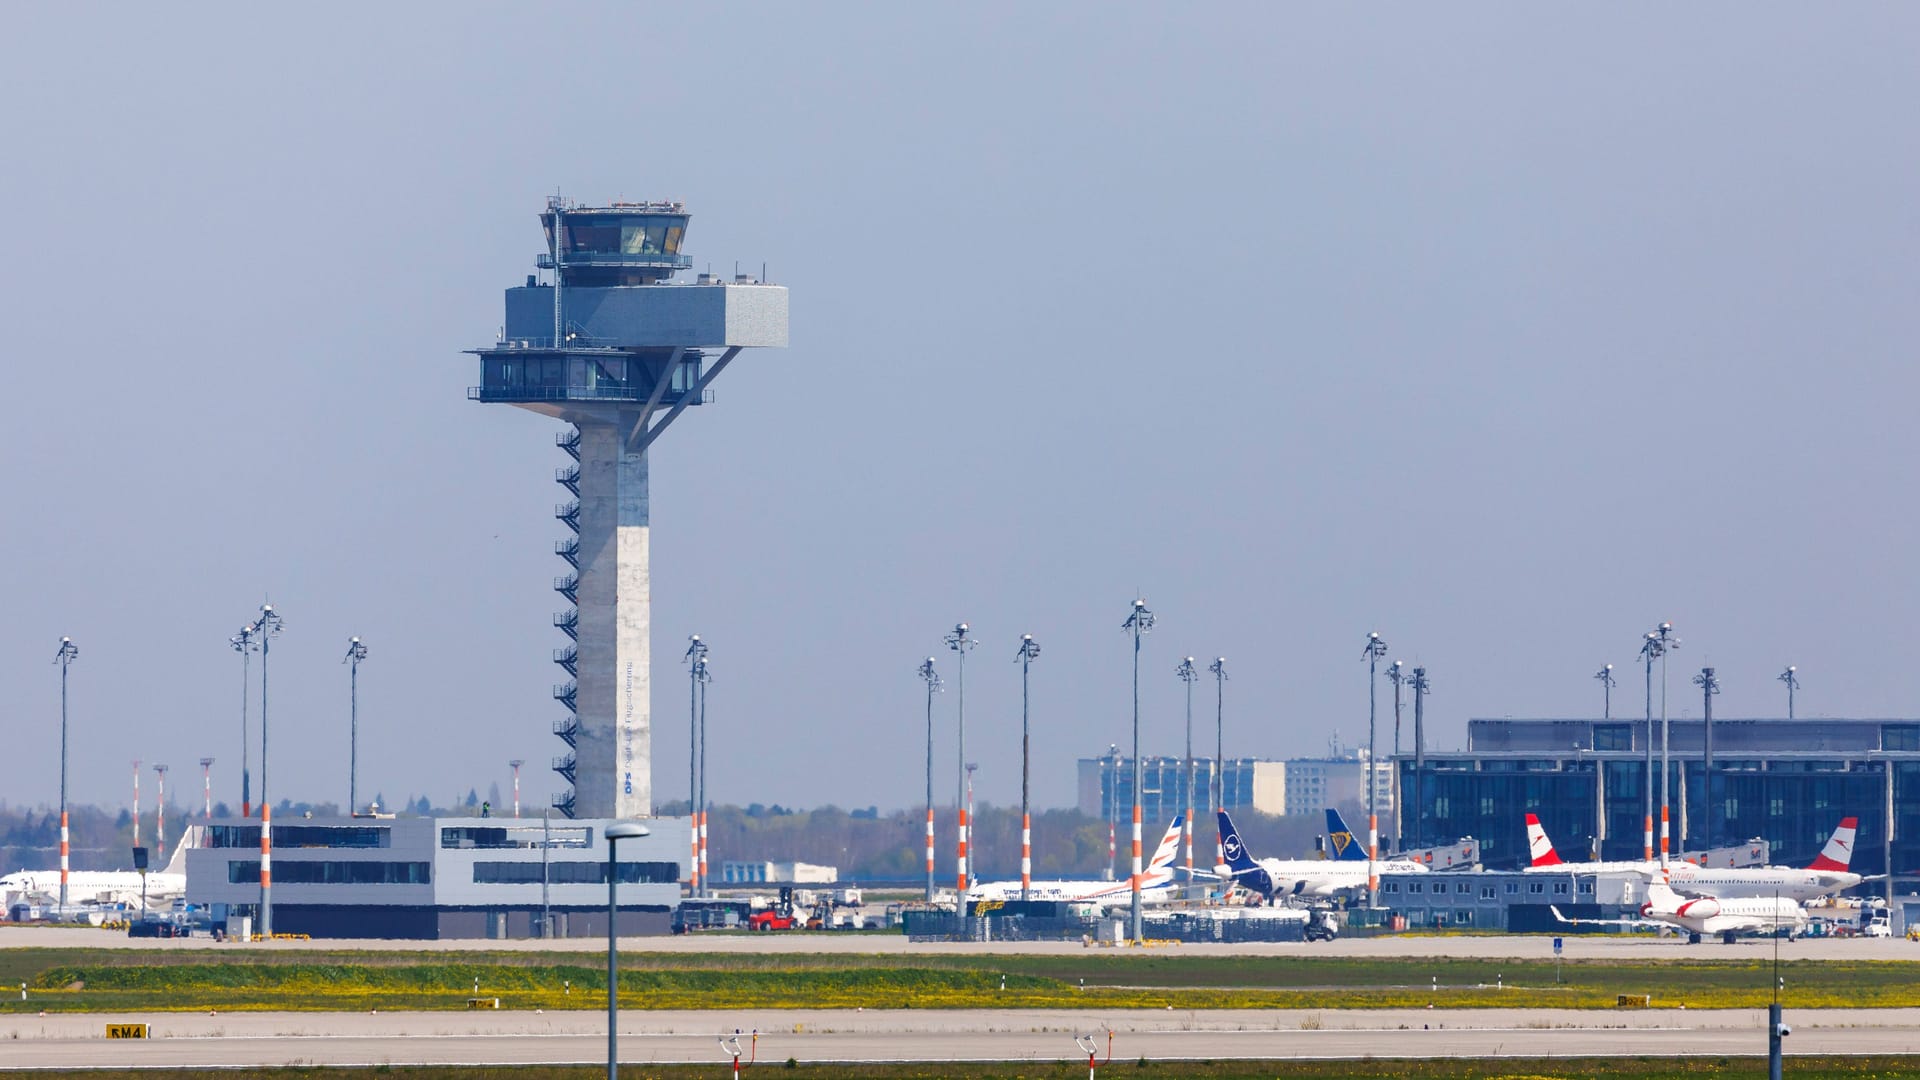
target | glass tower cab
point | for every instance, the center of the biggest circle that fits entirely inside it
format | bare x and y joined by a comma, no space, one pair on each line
610,327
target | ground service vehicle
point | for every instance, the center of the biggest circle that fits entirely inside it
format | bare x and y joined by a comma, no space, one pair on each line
778,917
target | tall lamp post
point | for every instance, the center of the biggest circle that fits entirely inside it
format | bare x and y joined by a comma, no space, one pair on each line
1397,676
1375,649
1709,686
269,628
1219,785
1189,674
1029,649
696,653
961,643
703,675
616,832
1649,652
64,656
246,642
515,766
1112,769
356,652
932,679
160,815
1420,689
1605,675
1793,683
1139,621
206,784
1661,641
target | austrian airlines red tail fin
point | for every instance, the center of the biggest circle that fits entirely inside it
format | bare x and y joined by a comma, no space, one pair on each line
1839,850
1539,845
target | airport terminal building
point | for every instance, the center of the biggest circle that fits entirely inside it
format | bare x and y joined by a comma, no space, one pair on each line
432,878
1788,782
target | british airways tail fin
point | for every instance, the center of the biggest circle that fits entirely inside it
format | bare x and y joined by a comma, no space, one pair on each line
1169,846
1538,845
1341,844
1839,850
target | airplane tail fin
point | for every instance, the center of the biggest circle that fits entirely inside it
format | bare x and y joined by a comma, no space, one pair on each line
1340,842
1163,855
1839,850
1237,858
177,862
1539,845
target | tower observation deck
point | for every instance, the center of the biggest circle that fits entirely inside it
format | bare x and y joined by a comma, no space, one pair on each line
614,347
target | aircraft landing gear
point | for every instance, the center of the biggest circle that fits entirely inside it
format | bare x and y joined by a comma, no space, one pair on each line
1693,939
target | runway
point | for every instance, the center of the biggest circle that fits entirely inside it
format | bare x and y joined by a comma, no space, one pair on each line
517,1038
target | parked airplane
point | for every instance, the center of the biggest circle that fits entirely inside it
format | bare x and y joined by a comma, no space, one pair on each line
97,887
1156,882
1827,875
1300,877
1342,844
1703,915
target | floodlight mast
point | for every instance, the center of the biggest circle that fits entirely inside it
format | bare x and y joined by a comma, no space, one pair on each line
1029,650
695,655
356,652
1605,675
961,643
1219,785
65,655
270,625
206,783
1650,650
1113,808
1421,687
1373,651
703,676
1396,675
1188,674
932,679
515,766
160,815
1793,683
1139,622
246,642
1709,686
1660,641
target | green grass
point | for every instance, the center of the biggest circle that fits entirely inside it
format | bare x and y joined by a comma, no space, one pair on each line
1801,1068
109,980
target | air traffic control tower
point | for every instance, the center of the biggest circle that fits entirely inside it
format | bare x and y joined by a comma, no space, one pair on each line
617,349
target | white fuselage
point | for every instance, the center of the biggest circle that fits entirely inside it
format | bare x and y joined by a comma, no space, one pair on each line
1745,882
1324,877
1707,915
1155,889
91,887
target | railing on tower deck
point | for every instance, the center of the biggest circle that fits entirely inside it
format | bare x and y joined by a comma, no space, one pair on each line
568,658
614,258
578,393
565,766
568,729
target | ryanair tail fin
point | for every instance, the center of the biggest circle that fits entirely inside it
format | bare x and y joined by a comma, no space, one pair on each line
1839,850
1341,843
1538,845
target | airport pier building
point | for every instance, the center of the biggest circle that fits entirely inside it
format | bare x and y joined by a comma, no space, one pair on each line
616,349
436,878
1787,782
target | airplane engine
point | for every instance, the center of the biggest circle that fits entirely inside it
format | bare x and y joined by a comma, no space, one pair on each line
1705,908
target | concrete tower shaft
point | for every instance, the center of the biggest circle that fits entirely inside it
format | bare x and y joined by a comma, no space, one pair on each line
616,348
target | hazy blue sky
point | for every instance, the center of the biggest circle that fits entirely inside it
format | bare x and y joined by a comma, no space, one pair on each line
1507,331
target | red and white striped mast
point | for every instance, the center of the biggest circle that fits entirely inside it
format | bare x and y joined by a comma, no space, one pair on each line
961,643
65,656
1029,649
934,686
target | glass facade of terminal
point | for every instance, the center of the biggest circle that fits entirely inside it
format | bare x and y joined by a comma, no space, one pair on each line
1788,783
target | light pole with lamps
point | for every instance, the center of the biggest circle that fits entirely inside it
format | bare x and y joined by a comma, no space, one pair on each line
1139,621
246,643
356,652
1219,785
269,628
64,656
1189,674
932,679
1792,680
960,643
695,654
1375,649
1605,675
1029,649
616,832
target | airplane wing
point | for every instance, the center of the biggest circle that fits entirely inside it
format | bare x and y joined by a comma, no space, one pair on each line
1558,917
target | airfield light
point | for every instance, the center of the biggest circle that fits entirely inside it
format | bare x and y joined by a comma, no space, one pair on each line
932,679
270,625
1189,674
356,652
1373,651
960,642
1792,680
694,657
616,832
1029,649
65,655
1139,622
1709,686
1421,687
1219,785
246,643
702,675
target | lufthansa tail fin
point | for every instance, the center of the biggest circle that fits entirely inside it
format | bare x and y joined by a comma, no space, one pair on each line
1839,850
1538,844
1238,861
1341,844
